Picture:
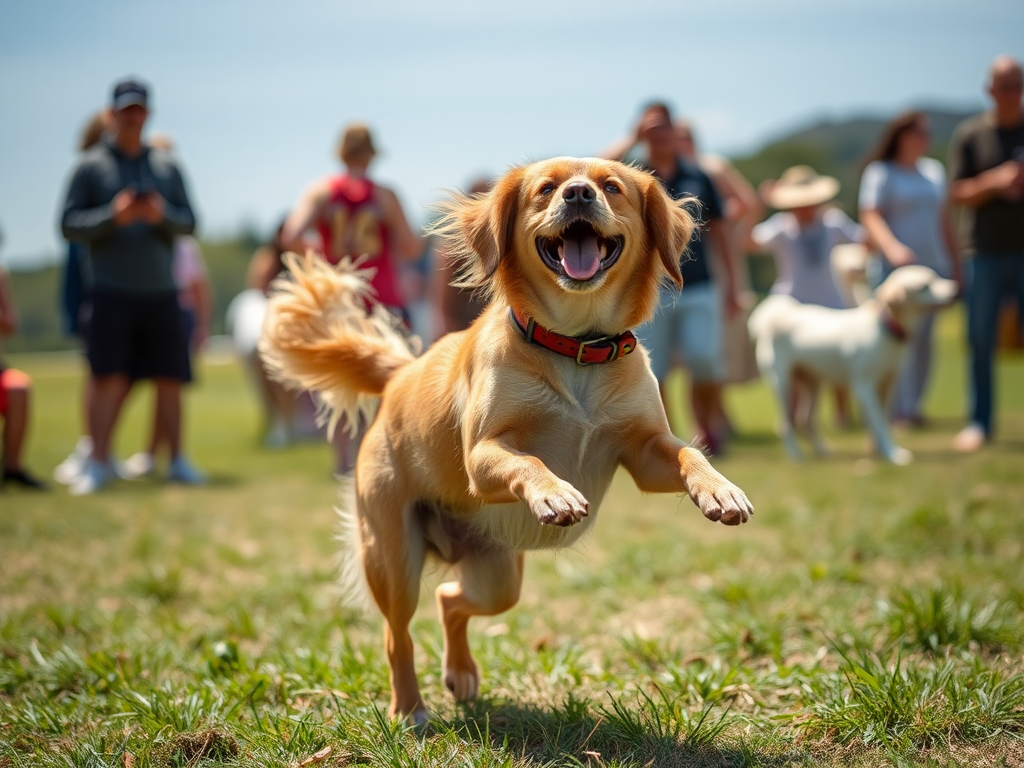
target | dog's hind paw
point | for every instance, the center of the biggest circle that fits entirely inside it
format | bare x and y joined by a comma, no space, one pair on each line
563,506
463,683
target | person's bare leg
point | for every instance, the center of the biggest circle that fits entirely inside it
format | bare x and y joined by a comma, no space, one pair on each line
167,423
109,393
284,402
15,427
88,392
157,436
704,399
723,423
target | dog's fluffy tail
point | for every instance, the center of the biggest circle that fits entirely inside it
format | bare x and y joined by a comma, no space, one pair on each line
318,336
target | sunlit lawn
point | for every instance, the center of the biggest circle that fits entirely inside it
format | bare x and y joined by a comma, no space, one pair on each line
867,615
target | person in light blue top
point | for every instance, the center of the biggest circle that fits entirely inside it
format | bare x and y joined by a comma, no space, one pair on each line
903,207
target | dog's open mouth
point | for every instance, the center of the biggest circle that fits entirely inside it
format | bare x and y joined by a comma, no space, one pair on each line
580,252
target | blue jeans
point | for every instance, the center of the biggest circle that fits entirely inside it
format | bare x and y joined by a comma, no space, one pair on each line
992,278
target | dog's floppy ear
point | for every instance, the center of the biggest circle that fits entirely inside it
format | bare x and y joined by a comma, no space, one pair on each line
479,230
891,293
669,226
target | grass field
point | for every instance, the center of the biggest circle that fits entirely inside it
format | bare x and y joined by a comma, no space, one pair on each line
868,615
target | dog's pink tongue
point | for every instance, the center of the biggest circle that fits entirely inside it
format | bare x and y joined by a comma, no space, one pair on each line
580,258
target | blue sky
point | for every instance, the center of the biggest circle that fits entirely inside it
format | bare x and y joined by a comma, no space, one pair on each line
255,93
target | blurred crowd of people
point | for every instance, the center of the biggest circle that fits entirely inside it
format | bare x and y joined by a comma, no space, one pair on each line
136,291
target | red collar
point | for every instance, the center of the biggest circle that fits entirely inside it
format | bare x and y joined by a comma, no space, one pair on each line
892,325
604,349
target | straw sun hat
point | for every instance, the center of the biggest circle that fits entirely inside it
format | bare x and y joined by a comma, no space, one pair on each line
801,186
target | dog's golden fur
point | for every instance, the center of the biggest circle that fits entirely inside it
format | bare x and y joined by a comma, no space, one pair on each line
487,446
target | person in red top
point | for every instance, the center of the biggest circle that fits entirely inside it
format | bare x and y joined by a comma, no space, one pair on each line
356,217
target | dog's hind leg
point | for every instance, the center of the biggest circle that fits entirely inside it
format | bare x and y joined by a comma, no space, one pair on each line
781,380
813,388
874,414
393,553
488,584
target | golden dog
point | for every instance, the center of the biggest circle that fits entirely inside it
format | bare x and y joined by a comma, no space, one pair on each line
506,436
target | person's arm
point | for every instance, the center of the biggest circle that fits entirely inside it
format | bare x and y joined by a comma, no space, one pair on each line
82,220
262,269
172,214
970,187
748,239
870,200
722,246
1002,181
304,215
621,147
8,309
738,196
949,235
198,286
618,149
202,301
407,245
448,298
895,252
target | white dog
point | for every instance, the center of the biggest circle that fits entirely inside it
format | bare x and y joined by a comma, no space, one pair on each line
862,348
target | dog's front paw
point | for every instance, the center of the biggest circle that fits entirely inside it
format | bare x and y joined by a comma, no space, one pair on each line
560,504
722,501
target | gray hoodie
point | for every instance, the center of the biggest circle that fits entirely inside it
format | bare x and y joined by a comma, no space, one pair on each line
136,258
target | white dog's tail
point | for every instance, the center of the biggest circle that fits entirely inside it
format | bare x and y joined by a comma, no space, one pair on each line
318,335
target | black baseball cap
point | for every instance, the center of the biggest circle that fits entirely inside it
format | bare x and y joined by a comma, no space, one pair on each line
127,93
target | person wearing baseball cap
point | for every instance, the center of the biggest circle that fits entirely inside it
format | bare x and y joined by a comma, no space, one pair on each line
129,93
127,203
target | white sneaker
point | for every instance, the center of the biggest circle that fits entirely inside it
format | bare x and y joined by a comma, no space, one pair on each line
183,472
137,466
94,475
71,468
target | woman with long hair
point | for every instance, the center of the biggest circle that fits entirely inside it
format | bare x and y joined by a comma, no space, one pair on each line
903,208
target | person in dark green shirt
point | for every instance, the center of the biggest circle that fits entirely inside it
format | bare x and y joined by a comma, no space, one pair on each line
127,202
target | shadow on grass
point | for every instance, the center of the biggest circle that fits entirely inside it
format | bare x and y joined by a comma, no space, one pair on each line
586,733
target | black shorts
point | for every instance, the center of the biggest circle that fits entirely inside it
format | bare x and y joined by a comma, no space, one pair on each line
137,336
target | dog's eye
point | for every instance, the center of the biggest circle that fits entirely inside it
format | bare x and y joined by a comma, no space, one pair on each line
611,188
547,189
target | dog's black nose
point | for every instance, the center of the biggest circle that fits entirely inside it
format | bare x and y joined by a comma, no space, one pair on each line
578,192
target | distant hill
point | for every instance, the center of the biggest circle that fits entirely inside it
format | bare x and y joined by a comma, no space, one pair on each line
838,148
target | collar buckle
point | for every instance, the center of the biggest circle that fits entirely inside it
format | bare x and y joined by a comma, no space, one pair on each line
592,342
